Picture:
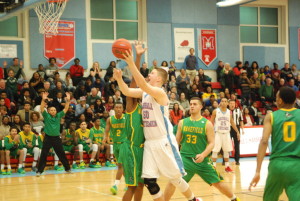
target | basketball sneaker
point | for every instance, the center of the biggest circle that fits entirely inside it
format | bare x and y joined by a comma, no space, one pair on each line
82,165
114,190
3,172
228,169
34,169
69,172
113,164
21,171
8,172
75,166
236,199
109,164
58,168
93,164
98,165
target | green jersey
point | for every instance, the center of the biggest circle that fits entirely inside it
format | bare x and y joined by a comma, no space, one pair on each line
9,143
96,135
134,127
117,129
52,124
194,139
69,137
285,136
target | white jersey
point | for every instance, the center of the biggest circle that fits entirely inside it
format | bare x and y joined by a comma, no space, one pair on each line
155,118
222,121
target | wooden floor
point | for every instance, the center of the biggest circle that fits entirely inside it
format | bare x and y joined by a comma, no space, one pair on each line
89,186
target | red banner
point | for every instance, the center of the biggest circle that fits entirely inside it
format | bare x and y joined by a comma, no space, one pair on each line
207,46
62,45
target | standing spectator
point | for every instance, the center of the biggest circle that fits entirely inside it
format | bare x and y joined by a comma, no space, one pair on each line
238,120
204,79
266,92
237,72
80,108
110,71
144,70
219,70
176,114
17,67
254,112
172,69
76,72
12,84
227,77
254,86
292,85
182,82
245,87
286,72
248,119
295,71
191,65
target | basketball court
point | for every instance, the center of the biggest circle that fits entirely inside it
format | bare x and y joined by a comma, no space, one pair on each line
30,44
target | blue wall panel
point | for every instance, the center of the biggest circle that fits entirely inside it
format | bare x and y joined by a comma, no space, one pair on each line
293,34
229,15
294,17
160,46
159,11
20,53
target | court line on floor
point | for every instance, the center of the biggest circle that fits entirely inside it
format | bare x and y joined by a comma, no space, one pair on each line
85,189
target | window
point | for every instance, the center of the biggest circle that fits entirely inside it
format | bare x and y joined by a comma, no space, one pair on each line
113,19
259,25
9,27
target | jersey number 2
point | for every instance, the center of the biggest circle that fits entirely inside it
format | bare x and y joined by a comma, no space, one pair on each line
289,131
118,133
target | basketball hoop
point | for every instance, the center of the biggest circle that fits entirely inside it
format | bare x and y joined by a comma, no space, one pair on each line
49,14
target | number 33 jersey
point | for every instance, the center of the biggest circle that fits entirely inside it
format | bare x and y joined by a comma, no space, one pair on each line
222,121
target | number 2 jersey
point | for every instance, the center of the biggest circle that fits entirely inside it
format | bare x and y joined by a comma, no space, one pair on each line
194,139
117,129
222,121
285,136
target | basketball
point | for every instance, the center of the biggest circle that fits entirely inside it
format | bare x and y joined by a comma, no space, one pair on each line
120,46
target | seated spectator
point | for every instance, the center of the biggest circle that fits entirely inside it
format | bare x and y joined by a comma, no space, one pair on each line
206,114
99,108
76,72
51,69
254,68
291,84
1,73
214,106
81,108
286,72
182,82
198,83
25,86
58,88
297,81
254,86
219,70
262,79
127,75
97,69
12,84
5,101
247,68
4,127
194,92
69,83
209,102
47,86
91,99
172,70
227,77
58,102
88,85
99,85
267,71
109,105
118,96
110,87
253,111
36,124
36,82
248,119
79,92
89,116
26,112
275,73
24,97
266,92
294,71
173,100
221,95
237,72
70,115
144,70
42,72
176,114
237,102
3,87
172,82
184,102
245,87
110,71
174,90
204,79
282,83
17,122
227,93
208,92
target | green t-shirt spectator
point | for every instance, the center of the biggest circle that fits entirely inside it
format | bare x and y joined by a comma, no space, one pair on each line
52,124
266,91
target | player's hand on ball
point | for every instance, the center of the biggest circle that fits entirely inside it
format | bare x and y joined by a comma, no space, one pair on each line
139,48
254,181
128,57
199,158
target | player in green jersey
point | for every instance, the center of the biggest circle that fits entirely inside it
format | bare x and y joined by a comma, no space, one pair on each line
115,129
195,134
12,148
96,135
133,147
284,128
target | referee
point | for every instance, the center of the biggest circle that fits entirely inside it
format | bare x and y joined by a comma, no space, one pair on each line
52,137
238,120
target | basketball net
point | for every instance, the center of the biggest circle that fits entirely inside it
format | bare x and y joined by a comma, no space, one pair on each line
49,14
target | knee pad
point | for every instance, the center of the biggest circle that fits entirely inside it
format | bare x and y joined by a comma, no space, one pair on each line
152,186
95,147
215,155
111,149
80,148
180,183
226,154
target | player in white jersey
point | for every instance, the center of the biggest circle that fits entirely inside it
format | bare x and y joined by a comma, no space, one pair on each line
161,154
222,120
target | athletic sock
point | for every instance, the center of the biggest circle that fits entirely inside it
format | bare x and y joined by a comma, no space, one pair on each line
233,197
117,182
55,163
33,163
9,167
20,166
2,166
226,164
